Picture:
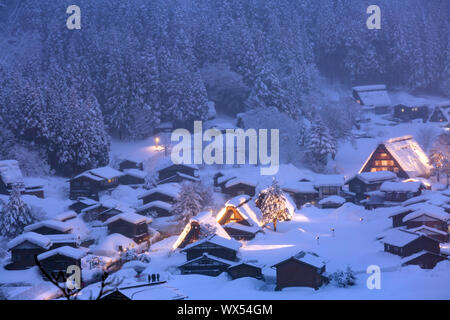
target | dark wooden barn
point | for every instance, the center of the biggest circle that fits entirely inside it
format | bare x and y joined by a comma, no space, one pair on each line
130,225
436,234
55,262
404,243
172,170
398,215
237,186
205,264
99,212
305,269
88,184
241,231
372,97
424,259
438,115
131,164
367,182
48,227
245,269
24,248
214,245
408,113
164,192
402,156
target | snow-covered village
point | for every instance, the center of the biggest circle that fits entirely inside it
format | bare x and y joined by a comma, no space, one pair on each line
224,150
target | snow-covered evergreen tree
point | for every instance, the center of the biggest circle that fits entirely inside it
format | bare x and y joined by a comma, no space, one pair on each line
15,215
188,203
320,144
273,205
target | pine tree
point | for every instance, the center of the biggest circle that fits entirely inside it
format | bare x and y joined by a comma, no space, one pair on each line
15,215
273,205
320,145
188,203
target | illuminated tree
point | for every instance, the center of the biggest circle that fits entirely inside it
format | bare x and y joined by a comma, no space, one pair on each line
273,205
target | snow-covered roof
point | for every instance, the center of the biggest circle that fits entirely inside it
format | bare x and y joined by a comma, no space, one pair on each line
63,238
218,240
206,221
88,175
110,244
371,177
86,201
239,226
430,211
238,200
52,224
155,204
251,211
409,155
130,217
66,216
74,253
427,230
299,187
168,163
332,180
35,238
205,255
417,255
373,95
106,172
309,258
400,186
332,199
169,189
400,238
442,104
10,172
136,173
225,178
241,180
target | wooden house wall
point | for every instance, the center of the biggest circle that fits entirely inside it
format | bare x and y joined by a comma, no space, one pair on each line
240,189
296,274
84,187
127,164
25,257
198,251
432,223
130,180
3,188
411,113
245,270
129,230
46,230
212,268
239,234
232,215
420,244
397,220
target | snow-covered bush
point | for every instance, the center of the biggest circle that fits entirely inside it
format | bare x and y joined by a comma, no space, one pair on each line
343,279
192,199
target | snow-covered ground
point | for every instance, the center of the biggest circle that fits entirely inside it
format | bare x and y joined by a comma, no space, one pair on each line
354,242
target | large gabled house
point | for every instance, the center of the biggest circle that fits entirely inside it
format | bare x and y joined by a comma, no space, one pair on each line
372,97
240,186
164,192
402,156
302,192
56,261
412,111
438,115
25,247
205,264
89,183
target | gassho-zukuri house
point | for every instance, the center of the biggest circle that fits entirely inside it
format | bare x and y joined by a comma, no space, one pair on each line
402,156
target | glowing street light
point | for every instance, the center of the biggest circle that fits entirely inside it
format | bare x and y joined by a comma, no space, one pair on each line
157,140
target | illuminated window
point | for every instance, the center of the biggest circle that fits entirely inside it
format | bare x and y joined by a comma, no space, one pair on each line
383,155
